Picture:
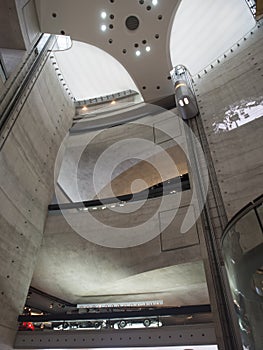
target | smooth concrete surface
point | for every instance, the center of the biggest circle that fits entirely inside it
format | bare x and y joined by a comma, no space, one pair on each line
236,146
149,144
12,59
26,171
169,266
72,267
11,35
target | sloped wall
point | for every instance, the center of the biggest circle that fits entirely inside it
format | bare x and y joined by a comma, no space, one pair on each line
230,99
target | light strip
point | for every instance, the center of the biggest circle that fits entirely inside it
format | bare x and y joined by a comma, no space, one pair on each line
181,84
125,304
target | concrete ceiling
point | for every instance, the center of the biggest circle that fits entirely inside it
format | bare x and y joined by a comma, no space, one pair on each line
82,21
181,40
78,271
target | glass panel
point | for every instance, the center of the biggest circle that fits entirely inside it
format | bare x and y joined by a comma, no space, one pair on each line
249,231
243,253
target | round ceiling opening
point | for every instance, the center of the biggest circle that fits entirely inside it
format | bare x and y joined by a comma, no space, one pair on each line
132,22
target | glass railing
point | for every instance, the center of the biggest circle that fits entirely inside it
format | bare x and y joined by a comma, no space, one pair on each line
242,245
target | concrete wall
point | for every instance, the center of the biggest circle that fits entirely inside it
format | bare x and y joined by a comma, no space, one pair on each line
26,172
234,88
119,254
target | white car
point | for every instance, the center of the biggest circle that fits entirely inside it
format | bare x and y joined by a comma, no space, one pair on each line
137,323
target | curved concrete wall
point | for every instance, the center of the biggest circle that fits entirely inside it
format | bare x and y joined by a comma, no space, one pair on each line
230,96
26,171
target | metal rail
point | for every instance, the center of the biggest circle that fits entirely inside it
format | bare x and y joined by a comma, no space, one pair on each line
23,78
177,184
144,312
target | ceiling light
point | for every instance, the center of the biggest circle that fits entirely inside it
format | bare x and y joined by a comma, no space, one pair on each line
84,108
148,48
138,53
103,27
154,2
103,15
186,101
113,102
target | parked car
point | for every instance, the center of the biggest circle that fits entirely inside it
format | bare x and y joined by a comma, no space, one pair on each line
26,326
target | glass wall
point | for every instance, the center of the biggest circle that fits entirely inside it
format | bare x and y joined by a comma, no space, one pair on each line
242,246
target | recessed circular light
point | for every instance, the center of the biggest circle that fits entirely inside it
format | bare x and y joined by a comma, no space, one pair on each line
103,27
148,48
154,2
138,53
103,15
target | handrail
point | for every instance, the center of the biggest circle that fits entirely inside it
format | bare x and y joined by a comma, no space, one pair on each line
164,188
14,79
241,213
106,98
23,77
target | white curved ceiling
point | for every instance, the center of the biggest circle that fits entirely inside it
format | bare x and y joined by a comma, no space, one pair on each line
91,72
204,29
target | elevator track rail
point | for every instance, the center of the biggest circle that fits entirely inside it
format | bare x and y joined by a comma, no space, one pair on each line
214,220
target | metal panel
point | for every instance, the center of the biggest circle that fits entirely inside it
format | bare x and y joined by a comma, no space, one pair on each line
164,336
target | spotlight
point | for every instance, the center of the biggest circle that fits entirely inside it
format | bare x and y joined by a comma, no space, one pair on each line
103,15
